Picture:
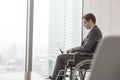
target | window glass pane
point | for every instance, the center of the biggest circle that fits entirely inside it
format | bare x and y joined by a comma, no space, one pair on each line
12,39
53,28
40,39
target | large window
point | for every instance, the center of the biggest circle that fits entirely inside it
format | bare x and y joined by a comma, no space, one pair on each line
55,23
12,39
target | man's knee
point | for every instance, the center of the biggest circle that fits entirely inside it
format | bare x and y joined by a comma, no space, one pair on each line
60,56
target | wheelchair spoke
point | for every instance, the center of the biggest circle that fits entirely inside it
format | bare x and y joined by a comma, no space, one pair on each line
79,71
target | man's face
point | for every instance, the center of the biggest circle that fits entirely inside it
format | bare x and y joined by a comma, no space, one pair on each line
86,24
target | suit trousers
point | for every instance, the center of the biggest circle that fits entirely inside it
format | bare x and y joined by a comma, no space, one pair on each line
62,61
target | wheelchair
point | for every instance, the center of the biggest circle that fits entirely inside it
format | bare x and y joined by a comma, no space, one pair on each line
75,71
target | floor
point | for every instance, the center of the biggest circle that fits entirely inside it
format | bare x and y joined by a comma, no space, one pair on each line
19,76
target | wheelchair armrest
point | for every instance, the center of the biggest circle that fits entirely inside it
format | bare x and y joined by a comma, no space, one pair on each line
71,62
89,54
74,57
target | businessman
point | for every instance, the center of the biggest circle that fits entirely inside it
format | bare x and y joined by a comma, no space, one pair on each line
88,45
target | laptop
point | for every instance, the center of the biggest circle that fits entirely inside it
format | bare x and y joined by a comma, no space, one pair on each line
60,48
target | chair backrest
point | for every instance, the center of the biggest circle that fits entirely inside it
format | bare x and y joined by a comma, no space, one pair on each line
106,62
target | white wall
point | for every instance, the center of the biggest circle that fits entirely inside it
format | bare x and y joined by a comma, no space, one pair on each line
107,13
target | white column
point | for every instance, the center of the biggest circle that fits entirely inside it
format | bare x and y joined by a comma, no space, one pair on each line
29,39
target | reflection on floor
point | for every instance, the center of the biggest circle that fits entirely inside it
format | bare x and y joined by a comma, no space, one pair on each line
19,76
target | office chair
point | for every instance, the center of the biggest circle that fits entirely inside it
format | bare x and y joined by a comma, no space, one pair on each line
106,62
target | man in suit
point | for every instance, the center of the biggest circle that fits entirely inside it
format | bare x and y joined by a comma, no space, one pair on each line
88,45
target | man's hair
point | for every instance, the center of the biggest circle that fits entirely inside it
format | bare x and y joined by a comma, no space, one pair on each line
89,16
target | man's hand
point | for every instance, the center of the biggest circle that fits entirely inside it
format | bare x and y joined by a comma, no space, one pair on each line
69,51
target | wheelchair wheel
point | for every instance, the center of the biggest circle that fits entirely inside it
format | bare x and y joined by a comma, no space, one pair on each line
80,69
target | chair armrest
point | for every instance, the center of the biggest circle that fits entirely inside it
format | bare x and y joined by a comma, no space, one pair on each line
71,62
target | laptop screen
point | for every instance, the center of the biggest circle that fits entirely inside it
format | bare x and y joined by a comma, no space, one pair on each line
60,48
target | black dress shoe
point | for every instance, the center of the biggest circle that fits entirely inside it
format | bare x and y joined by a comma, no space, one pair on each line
50,77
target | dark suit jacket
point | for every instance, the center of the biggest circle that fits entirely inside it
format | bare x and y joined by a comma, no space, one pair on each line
90,42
